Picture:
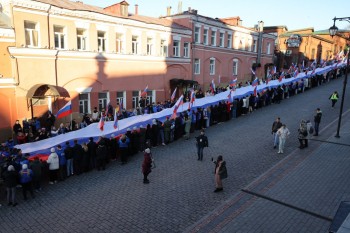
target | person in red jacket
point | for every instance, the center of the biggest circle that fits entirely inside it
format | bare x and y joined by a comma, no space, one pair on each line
146,165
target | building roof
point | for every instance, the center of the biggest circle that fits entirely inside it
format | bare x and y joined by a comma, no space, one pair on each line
80,6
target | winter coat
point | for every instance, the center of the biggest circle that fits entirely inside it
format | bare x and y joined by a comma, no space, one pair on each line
147,164
53,161
302,131
26,176
10,178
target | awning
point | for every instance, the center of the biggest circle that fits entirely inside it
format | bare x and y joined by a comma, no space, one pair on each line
46,90
176,81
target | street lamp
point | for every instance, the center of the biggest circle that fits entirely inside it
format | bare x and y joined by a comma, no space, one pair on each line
260,30
332,31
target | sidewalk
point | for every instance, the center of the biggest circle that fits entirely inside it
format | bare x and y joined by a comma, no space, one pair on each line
300,194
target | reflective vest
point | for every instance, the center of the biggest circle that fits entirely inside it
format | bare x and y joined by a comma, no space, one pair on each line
334,97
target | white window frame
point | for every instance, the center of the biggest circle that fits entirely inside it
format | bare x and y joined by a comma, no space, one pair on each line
235,67
187,49
135,99
213,38
135,45
197,34
212,66
176,48
103,101
197,66
221,41
121,99
81,103
101,42
61,37
164,48
150,46
205,36
119,43
268,48
229,41
255,45
82,39
31,33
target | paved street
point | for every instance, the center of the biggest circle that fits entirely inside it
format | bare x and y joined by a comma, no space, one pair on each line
298,191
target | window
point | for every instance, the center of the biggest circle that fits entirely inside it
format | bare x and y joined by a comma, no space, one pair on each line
242,44
149,97
119,43
186,49
205,37
84,103
221,42
101,41
163,48
120,98
197,35
236,42
31,33
135,99
235,67
313,52
255,42
149,46
196,66
229,41
213,38
135,45
59,37
268,48
176,48
81,39
102,101
212,66
249,45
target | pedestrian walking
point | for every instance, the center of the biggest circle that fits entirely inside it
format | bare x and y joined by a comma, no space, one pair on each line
282,133
202,141
334,98
146,165
317,120
302,135
10,178
220,173
275,126
54,166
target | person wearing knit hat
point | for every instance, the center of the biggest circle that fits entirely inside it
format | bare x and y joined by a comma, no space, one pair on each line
26,177
146,165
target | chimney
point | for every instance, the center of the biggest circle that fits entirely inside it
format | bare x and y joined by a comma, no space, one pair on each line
179,7
136,9
168,11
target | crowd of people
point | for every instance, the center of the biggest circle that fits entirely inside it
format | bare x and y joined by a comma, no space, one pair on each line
75,158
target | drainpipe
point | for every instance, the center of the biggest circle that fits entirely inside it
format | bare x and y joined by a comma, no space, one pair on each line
48,27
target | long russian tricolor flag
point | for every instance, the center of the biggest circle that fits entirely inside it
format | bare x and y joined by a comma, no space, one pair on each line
65,111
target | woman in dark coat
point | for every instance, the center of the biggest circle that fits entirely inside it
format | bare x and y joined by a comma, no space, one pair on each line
220,173
10,178
146,165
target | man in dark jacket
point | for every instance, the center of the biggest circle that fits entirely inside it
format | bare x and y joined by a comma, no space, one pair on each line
68,153
10,178
37,167
77,157
202,141
101,153
92,152
317,120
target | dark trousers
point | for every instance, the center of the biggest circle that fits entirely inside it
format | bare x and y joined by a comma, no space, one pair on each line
200,152
333,103
27,187
317,125
303,143
63,172
101,163
53,175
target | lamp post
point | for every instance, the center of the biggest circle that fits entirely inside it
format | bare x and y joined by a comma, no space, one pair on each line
333,31
260,30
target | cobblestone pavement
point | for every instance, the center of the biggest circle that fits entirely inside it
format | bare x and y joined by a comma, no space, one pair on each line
180,197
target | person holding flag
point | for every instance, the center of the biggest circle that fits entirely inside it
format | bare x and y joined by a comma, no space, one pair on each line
101,123
178,103
65,110
255,82
173,95
212,87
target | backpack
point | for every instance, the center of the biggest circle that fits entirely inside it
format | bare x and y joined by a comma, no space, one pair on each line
311,130
310,127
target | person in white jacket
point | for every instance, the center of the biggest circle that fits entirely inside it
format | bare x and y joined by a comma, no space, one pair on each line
282,133
54,165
